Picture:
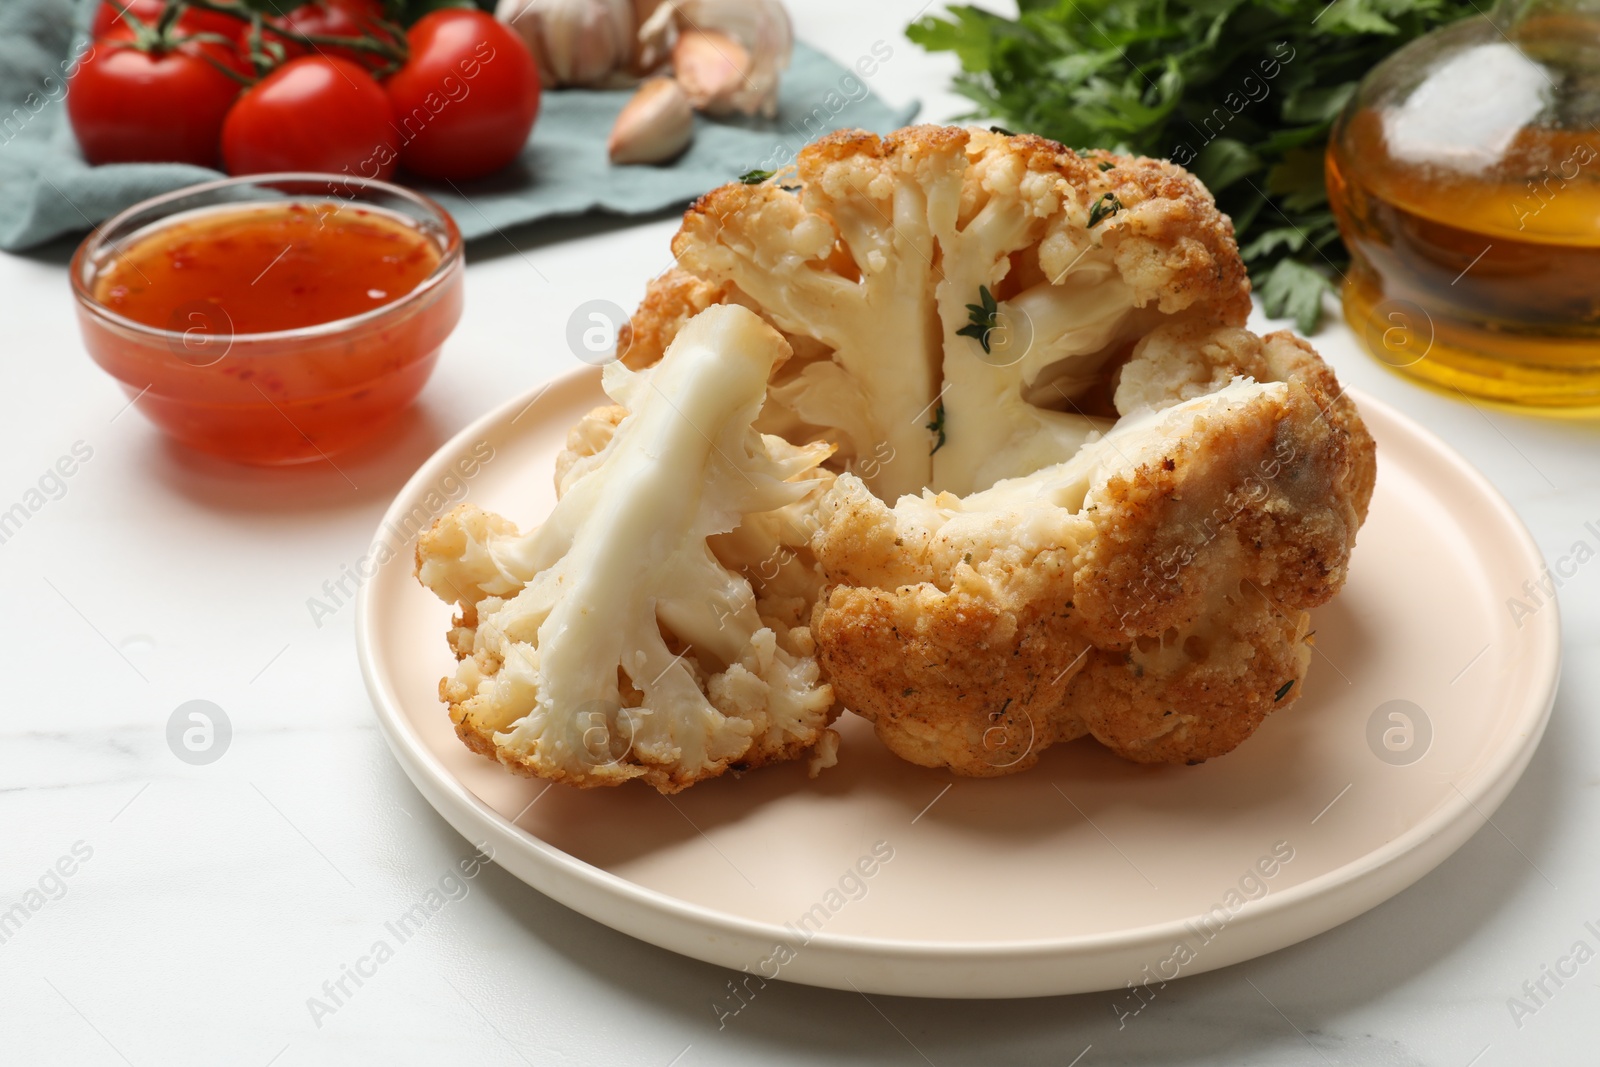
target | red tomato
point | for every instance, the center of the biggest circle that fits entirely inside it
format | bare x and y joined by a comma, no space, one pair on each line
317,113
466,99
328,18
108,17
128,106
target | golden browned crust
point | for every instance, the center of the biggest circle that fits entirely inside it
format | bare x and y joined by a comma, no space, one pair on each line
477,733
1187,589
1172,226
957,679
1206,357
670,300
1196,597
1291,358
473,733
1196,693
1260,496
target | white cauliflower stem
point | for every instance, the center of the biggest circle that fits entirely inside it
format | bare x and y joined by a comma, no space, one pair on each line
611,642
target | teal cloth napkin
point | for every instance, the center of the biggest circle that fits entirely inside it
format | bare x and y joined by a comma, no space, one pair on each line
47,190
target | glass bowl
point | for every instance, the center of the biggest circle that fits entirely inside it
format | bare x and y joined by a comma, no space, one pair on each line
292,395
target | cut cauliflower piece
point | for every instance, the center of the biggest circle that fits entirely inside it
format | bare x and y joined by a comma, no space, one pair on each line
1078,261
772,549
1185,360
955,297
849,263
584,442
951,629
1150,591
614,641
1077,497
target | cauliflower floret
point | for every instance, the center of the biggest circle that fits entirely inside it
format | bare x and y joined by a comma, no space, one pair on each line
674,298
584,443
955,297
772,549
1198,691
1151,591
614,641
1078,261
849,264
1185,360
950,627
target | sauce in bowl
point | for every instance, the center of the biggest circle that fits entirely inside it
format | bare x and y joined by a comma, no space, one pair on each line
256,319
267,267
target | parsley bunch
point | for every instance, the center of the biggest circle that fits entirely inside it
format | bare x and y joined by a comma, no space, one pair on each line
1241,92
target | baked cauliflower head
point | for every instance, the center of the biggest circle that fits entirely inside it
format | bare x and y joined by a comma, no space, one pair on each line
622,637
956,299
1075,495
1150,591
955,429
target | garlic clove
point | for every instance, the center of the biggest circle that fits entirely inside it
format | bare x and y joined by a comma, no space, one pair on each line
712,68
655,125
764,34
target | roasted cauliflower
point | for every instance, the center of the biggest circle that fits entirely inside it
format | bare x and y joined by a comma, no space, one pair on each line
954,297
619,639
1150,591
958,430
1114,503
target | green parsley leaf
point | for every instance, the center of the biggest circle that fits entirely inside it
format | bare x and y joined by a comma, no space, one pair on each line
1293,290
1103,208
937,426
1224,162
985,316
755,177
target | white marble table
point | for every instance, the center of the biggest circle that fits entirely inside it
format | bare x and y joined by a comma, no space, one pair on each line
206,904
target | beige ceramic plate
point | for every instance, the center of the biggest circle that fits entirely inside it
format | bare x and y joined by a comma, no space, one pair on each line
1424,703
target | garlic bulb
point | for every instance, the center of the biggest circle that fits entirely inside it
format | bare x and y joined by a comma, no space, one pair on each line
728,54
655,125
576,42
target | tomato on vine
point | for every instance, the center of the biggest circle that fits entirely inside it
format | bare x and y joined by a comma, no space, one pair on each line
151,95
321,20
459,93
112,15
317,113
466,98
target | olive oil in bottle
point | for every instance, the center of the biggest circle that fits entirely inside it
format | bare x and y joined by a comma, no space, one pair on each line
1465,177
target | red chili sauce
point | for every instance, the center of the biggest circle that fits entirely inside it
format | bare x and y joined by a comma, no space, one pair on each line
238,373
268,268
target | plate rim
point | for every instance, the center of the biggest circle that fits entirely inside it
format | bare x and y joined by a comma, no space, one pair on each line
1488,788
